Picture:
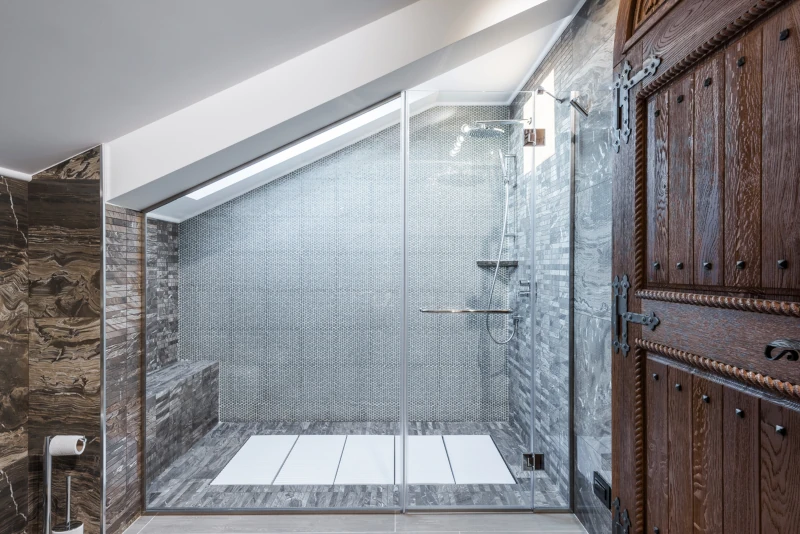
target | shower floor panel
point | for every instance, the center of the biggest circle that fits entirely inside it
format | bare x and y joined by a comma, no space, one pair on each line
364,460
189,482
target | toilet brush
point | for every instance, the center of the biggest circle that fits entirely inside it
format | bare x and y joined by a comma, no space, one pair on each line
69,526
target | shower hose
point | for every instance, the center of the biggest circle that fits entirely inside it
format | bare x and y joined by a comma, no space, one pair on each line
496,271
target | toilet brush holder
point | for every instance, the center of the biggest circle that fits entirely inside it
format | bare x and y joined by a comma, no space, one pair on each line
68,526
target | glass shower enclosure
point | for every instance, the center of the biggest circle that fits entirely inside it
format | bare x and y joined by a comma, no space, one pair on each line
365,322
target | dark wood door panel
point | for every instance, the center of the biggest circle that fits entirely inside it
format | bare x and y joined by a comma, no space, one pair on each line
680,178
657,188
726,335
780,469
679,421
707,405
743,162
780,184
709,167
740,468
691,24
657,436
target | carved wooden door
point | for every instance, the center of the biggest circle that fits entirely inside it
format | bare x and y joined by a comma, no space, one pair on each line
706,377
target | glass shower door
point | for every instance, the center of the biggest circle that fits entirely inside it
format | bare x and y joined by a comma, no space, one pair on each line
468,360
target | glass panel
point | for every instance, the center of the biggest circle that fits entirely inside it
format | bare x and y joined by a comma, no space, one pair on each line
469,373
552,179
274,305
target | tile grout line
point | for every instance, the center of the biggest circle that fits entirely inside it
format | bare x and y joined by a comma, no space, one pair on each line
449,463
341,455
277,474
145,525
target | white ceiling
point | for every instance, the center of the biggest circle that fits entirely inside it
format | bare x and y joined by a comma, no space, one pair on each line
493,79
82,72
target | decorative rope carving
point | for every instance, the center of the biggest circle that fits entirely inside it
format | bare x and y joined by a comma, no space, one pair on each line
638,439
786,389
640,195
773,307
761,8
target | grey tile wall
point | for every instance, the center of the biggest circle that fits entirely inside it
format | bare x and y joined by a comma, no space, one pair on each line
124,364
181,407
295,287
161,294
581,60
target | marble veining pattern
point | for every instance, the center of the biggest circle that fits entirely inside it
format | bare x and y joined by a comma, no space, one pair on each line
187,482
161,294
124,329
580,60
65,253
181,406
14,361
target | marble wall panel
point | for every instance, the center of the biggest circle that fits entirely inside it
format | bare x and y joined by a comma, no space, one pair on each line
581,61
13,355
124,366
65,345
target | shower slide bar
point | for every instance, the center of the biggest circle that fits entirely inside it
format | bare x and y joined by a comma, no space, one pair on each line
467,310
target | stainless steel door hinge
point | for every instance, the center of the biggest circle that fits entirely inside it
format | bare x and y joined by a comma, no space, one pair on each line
532,462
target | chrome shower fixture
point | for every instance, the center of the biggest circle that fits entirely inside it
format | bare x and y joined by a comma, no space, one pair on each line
482,130
580,109
572,102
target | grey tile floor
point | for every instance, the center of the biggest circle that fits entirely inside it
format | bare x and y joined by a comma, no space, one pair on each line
359,523
186,483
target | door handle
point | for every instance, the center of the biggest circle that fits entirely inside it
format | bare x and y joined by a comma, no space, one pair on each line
790,349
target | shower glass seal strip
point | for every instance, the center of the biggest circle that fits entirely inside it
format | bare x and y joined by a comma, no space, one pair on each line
466,310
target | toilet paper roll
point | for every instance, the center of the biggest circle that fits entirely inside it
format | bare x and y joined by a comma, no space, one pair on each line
67,445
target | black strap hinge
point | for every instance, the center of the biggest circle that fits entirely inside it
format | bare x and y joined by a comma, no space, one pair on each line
620,316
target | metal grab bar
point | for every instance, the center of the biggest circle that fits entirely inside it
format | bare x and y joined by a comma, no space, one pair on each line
467,310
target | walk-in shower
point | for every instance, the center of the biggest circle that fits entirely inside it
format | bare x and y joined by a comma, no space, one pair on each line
353,327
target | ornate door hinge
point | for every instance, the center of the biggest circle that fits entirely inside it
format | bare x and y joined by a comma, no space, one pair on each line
620,316
621,523
622,87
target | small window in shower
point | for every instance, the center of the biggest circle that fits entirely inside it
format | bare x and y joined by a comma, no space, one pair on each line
545,117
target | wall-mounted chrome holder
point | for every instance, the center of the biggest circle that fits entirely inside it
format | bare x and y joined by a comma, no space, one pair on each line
525,288
47,487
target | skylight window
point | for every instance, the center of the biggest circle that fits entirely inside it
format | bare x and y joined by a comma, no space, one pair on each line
298,149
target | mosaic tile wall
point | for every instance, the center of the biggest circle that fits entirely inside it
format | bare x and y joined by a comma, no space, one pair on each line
295,287
124,366
581,60
161,295
455,217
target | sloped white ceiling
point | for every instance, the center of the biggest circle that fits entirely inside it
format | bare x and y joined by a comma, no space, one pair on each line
302,95
80,72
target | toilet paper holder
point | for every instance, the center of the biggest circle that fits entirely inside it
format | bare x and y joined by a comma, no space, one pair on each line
78,446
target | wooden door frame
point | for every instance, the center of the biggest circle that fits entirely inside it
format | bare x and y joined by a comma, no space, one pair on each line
630,234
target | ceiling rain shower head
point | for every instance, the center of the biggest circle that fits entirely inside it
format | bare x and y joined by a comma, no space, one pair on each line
482,130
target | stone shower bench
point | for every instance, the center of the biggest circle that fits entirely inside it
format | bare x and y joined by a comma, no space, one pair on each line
181,406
